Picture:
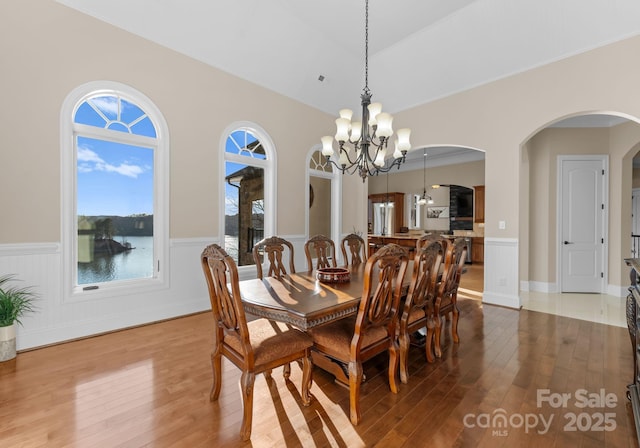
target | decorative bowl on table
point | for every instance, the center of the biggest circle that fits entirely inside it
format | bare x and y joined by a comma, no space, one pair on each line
333,275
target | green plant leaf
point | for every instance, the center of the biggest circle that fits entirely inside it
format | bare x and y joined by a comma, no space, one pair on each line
15,302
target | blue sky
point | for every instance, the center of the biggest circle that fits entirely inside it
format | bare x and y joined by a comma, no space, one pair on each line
231,193
117,179
114,178
237,143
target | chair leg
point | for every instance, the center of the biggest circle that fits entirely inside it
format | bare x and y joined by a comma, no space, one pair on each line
286,371
307,379
355,380
246,389
404,355
216,367
431,326
393,366
454,320
436,338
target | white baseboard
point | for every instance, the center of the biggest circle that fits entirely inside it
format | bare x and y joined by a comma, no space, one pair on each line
507,301
617,291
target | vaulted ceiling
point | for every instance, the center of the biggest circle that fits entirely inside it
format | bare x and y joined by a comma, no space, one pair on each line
419,50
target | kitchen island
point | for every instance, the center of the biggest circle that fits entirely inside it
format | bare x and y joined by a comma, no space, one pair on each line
402,239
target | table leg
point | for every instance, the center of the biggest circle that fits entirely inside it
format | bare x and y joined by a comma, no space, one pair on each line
338,369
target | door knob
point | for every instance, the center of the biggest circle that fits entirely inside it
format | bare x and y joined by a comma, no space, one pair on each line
567,242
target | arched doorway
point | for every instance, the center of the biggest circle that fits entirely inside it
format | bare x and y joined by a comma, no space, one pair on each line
545,211
444,168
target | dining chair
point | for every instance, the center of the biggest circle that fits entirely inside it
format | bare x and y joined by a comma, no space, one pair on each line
357,249
354,340
254,347
324,250
426,239
418,308
447,297
274,248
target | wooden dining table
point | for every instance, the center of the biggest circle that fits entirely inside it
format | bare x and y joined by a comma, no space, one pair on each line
300,299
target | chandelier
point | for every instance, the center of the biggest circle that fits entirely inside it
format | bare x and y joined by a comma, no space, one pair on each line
368,138
425,199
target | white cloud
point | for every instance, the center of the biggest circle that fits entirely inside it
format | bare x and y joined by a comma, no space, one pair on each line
89,161
108,104
86,155
124,169
84,168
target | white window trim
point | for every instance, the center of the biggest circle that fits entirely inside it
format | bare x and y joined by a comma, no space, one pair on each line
336,194
270,176
68,186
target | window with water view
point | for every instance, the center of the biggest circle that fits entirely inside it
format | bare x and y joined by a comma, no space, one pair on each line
115,146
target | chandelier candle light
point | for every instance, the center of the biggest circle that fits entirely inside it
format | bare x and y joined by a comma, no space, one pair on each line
425,199
369,137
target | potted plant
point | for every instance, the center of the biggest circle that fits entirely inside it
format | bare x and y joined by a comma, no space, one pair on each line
15,302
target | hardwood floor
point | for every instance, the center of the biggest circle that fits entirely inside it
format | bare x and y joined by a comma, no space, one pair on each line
472,281
149,386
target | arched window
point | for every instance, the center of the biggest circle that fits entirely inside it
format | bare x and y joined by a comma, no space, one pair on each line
248,176
115,173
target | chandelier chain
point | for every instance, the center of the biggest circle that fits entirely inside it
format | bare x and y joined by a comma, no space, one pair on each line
366,47
362,145
424,172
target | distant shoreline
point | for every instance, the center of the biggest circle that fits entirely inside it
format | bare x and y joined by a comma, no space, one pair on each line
110,246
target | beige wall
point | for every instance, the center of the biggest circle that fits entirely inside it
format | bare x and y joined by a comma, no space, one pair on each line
48,50
320,210
502,116
54,49
465,174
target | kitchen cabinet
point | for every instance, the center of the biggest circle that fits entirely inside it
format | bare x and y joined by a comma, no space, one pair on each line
398,213
478,215
477,249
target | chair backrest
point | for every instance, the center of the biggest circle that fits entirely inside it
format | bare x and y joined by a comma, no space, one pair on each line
273,248
383,277
324,249
424,277
357,248
221,274
426,239
454,260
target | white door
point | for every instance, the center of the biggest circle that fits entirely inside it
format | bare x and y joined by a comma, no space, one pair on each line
582,213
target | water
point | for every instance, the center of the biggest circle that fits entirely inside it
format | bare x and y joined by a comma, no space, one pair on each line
136,263
231,246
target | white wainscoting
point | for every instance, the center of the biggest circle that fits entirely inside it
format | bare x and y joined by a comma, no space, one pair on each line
501,286
55,321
